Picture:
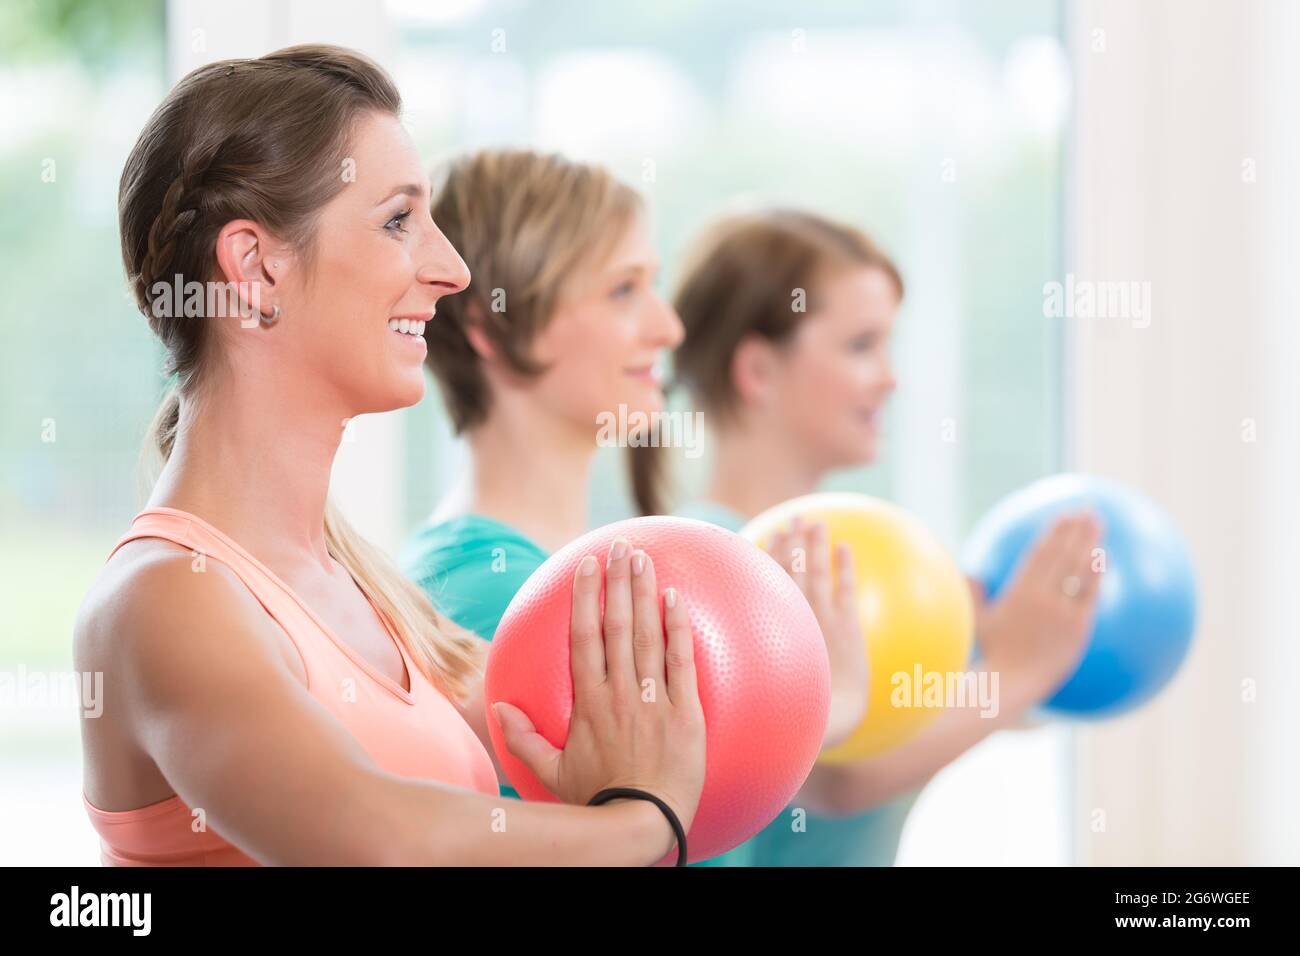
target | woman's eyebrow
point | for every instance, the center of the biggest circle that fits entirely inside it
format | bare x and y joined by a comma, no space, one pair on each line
633,267
414,190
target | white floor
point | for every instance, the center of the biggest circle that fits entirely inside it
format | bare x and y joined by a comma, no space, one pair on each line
1004,803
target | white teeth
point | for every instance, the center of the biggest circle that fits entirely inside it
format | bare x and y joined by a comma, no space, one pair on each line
409,326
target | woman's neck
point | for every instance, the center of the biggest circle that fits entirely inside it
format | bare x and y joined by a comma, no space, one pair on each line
256,464
754,470
530,470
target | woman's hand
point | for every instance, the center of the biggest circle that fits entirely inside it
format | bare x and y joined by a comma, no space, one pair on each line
637,720
804,552
1036,632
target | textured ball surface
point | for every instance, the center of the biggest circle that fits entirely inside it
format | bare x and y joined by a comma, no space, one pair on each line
764,677
913,604
1146,608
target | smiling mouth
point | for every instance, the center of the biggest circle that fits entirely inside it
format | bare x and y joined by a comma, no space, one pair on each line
407,326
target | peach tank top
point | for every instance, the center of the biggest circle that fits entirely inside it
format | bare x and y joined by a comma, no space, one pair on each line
416,733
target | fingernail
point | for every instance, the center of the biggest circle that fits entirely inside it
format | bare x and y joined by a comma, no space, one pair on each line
587,567
496,712
618,550
670,597
638,562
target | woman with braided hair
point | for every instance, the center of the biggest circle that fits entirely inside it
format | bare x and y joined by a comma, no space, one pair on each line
275,692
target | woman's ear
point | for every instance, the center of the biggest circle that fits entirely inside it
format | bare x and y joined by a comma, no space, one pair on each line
251,261
752,366
474,334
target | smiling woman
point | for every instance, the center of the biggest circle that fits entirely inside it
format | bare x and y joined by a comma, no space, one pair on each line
355,733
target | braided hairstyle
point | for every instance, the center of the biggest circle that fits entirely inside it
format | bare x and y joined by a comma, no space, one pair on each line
260,139
263,139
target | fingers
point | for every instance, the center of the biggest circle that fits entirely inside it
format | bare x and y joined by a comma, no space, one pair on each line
781,548
1083,546
845,592
804,552
620,668
1046,565
1061,561
818,549
679,660
523,740
586,649
647,628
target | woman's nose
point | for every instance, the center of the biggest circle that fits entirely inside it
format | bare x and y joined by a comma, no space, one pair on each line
668,324
444,266
889,382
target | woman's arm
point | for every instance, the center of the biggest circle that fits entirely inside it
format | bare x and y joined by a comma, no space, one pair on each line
1032,640
201,679
841,789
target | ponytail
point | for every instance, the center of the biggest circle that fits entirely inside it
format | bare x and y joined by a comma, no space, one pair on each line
446,653
159,440
649,474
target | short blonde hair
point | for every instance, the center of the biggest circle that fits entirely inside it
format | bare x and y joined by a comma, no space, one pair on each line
524,222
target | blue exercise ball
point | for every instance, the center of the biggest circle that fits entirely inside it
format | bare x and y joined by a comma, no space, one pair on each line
1146,608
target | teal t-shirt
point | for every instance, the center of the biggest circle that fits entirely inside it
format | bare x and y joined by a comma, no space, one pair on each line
470,567
798,838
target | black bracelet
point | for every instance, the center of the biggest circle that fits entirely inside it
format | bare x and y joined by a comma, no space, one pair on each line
619,793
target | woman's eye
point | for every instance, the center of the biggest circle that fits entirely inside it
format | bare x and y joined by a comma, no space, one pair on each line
624,289
863,343
395,224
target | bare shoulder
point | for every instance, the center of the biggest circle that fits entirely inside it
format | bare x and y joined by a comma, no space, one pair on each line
155,613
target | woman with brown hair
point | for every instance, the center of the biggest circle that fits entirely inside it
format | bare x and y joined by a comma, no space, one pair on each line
788,320
274,690
561,328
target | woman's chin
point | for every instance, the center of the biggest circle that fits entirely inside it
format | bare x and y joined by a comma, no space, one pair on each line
646,400
402,393
861,450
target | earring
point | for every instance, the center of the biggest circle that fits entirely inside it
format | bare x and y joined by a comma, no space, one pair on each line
270,320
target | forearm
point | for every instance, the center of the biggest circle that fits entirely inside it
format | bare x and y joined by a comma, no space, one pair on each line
426,824
842,789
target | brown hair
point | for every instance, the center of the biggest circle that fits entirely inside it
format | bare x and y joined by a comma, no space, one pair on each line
524,222
261,139
740,279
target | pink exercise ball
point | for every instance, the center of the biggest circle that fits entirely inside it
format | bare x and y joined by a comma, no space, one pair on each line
764,677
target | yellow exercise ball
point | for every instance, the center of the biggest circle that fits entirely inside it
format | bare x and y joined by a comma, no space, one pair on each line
915,608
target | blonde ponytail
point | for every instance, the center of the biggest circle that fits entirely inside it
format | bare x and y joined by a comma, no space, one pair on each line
446,653
159,440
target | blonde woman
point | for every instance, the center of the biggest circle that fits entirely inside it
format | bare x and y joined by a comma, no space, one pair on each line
275,692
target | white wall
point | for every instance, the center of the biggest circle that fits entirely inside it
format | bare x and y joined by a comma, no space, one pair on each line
1178,103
